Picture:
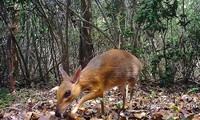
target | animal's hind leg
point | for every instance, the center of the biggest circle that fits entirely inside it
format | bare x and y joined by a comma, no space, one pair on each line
122,89
132,83
131,88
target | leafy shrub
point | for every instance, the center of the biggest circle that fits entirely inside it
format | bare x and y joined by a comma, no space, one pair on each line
5,97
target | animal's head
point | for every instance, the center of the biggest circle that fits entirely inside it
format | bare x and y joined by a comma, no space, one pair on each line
67,91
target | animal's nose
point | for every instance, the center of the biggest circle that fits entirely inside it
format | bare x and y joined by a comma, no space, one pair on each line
57,113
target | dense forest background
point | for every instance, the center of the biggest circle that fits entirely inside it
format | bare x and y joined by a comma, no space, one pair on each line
38,35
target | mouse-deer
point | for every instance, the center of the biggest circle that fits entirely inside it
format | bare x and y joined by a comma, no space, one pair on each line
105,71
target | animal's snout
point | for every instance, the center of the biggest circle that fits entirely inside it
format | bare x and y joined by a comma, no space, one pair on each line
57,113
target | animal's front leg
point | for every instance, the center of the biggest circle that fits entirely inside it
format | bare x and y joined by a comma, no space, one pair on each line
89,96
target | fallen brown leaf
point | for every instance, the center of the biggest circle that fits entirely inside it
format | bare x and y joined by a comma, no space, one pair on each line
1,113
196,117
157,116
35,116
140,115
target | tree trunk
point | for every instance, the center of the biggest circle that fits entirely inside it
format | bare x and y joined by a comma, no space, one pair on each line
8,49
14,46
121,23
86,45
65,47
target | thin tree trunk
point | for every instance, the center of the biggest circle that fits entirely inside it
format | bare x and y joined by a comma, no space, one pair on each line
66,65
27,53
64,44
36,45
2,59
14,47
86,47
121,23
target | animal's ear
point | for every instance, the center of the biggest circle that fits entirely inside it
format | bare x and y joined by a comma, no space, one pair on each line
76,75
65,76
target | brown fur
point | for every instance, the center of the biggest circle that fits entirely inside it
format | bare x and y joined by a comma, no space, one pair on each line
103,72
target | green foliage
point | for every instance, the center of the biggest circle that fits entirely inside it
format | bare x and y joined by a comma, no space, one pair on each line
171,118
152,13
119,105
191,49
5,97
128,33
112,7
166,77
153,94
184,119
176,53
127,47
173,53
101,99
192,90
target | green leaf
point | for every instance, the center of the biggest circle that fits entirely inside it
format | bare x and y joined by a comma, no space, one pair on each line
119,104
192,90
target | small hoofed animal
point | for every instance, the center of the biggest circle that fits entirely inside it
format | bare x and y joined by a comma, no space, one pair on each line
112,68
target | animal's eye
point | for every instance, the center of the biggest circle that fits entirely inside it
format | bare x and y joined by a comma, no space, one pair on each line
67,93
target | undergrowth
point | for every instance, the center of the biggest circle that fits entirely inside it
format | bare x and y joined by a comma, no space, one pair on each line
5,97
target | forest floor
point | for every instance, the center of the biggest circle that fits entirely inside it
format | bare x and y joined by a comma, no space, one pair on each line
177,102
